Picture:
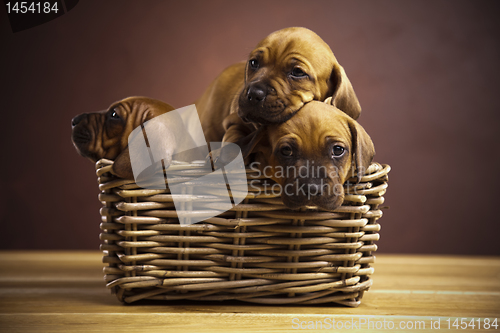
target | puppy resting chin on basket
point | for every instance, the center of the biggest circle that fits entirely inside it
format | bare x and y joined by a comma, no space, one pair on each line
312,155
105,134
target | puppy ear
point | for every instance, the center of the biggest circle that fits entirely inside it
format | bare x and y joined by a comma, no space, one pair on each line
362,148
122,167
161,143
343,96
156,141
250,142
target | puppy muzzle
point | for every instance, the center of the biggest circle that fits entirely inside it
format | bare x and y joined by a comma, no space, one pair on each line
81,136
80,132
256,94
322,193
257,106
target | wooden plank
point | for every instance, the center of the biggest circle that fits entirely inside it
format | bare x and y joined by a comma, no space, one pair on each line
225,322
61,291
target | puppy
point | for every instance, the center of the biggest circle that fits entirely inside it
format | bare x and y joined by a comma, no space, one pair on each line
311,155
287,69
105,134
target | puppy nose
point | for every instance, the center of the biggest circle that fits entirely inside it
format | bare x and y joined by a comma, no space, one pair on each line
75,121
314,189
256,94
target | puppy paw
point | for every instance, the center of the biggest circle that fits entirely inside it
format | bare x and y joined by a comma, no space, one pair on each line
212,158
219,158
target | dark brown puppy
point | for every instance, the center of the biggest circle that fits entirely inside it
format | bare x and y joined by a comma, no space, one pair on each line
312,154
105,134
287,69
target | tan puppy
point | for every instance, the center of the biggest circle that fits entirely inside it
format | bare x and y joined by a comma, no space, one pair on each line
312,154
287,69
105,134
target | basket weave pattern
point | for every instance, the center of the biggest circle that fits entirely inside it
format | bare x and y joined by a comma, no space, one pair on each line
259,252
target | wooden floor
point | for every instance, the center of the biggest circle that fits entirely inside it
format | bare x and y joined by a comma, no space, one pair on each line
65,292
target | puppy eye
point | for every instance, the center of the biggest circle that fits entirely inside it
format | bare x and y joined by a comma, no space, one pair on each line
299,73
286,151
337,151
254,64
113,114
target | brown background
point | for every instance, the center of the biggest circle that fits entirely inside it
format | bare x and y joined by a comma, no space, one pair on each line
426,73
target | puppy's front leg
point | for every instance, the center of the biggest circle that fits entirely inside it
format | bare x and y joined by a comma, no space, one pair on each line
236,130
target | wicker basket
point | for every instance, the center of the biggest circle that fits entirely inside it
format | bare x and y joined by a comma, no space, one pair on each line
259,252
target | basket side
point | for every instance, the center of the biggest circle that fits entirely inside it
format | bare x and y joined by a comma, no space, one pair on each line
259,251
